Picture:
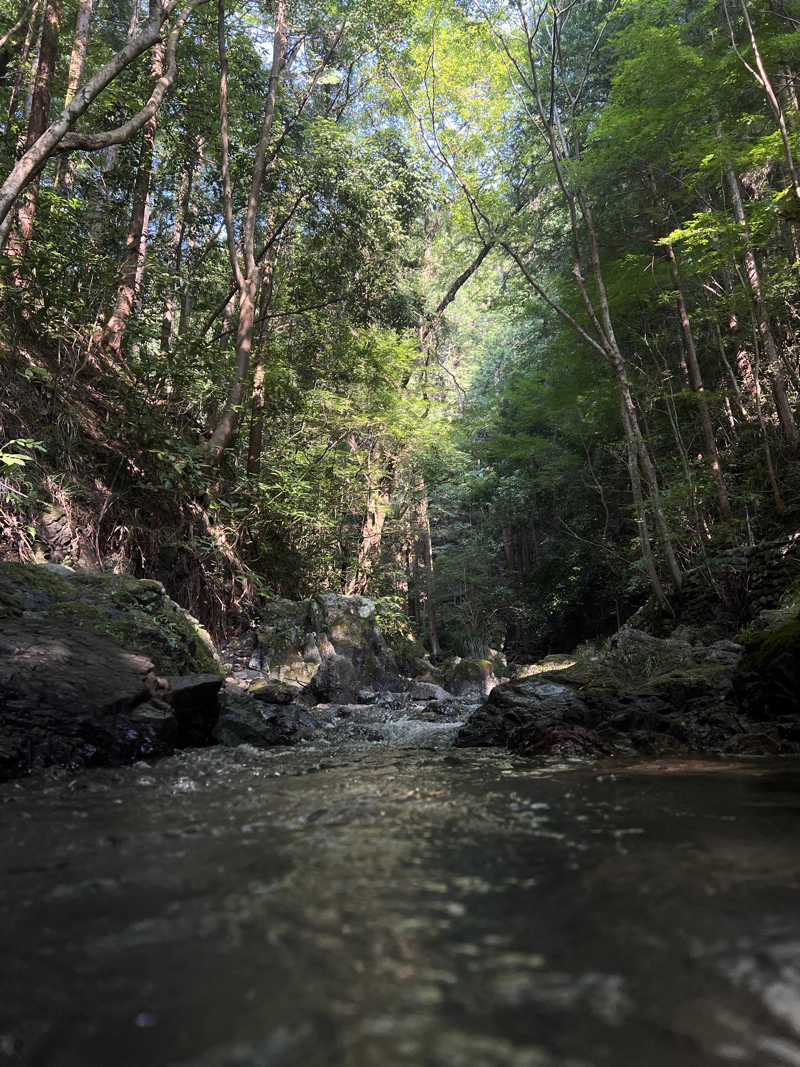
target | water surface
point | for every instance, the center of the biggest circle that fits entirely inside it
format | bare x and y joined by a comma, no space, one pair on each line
370,905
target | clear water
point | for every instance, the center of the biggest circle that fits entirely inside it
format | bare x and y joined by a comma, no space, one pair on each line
364,903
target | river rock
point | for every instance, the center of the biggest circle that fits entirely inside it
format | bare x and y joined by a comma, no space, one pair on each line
428,691
245,720
193,698
589,711
98,669
271,691
74,699
336,681
470,678
136,614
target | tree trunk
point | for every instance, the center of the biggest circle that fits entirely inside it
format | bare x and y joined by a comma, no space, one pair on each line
766,335
186,302
28,105
30,165
133,256
259,399
176,255
696,383
248,276
66,170
248,301
22,65
37,124
427,558
780,507
759,72
369,545
640,513
630,423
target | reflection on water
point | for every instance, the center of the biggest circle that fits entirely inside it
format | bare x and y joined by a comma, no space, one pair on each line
374,905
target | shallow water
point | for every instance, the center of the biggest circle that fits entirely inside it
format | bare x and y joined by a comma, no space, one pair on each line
368,904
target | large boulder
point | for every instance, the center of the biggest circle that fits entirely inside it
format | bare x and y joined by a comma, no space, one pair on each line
588,710
428,691
134,613
350,624
98,669
336,681
73,699
330,646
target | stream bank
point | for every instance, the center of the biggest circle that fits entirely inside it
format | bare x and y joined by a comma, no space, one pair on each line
105,669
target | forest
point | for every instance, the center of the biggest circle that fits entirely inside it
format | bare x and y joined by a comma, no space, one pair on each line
486,309
400,533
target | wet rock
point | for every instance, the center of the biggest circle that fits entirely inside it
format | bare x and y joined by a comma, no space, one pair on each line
74,698
451,708
336,681
591,712
522,713
194,701
428,691
636,653
245,720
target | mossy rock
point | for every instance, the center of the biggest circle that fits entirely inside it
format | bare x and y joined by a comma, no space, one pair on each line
135,613
281,627
470,678
767,679
412,659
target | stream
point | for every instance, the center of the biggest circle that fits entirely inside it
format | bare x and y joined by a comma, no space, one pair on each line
376,898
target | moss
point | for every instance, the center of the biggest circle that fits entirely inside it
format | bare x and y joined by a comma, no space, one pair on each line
80,614
471,670
36,578
410,655
135,613
773,648
10,603
767,678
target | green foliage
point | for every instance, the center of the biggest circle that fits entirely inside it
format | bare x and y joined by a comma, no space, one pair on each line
406,135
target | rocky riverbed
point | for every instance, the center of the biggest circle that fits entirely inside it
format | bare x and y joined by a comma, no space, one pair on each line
100,669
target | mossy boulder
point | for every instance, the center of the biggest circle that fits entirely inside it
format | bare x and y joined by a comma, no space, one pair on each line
767,678
135,613
98,669
412,659
350,624
470,678
74,699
